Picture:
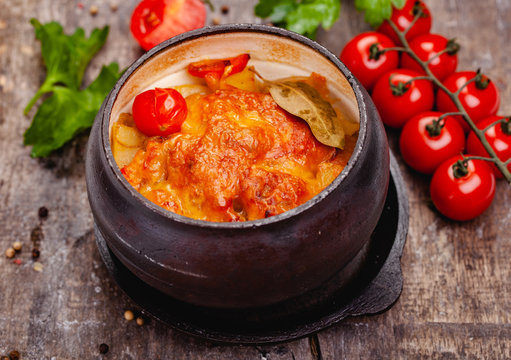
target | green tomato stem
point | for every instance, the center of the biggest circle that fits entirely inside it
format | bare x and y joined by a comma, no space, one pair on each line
501,165
496,122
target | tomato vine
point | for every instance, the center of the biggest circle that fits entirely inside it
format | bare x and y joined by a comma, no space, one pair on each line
479,79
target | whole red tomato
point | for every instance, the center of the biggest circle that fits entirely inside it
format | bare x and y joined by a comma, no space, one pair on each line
159,112
462,195
480,98
427,47
403,18
398,98
361,56
426,142
499,137
154,21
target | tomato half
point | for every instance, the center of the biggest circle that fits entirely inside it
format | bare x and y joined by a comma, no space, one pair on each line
425,143
480,99
403,18
368,67
159,112
427,47
499,137
397,106
154,21
465,197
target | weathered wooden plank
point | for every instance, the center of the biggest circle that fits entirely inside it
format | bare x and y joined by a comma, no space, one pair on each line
456,276
454,303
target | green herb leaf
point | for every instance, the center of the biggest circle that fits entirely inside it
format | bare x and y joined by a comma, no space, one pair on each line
303,17
66,56
398,4
376,11
67,112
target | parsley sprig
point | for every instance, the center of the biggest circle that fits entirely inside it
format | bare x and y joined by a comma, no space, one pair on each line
69,109
305,16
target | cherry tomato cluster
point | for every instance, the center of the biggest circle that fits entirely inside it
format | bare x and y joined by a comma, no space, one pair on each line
433,133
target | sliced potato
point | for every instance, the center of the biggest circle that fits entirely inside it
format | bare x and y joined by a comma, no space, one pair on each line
187,90
244,80
129,136
123,155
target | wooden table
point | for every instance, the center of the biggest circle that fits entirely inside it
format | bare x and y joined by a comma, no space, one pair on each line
455,302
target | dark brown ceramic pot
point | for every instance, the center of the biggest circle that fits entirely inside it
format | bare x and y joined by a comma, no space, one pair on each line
254,263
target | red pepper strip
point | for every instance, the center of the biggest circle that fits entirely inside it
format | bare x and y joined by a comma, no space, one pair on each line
218,67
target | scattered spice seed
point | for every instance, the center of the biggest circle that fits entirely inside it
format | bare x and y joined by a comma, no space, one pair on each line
38,266
4,357
93,10
225,9
10,252
14,355
114,6
35,253
17,245
17,261
140,321
216,20
128,315
103,348
43,212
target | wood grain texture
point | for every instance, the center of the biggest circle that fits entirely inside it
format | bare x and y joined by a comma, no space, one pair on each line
455,302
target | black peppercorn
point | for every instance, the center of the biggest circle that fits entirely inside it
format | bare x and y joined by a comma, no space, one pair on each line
14,355
43,212
103,348
35,253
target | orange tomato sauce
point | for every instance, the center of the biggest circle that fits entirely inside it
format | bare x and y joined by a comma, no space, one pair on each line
238,157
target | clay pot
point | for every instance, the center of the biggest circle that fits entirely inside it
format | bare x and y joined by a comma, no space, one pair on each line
254,263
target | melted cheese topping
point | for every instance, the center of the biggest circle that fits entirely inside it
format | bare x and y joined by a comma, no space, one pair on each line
238,157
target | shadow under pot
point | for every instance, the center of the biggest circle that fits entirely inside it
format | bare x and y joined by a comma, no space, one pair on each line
251,263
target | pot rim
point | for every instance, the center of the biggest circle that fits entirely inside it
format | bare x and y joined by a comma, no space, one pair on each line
222,29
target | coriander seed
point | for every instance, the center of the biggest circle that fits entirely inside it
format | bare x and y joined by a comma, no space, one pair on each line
128,315
17,245
140,321
10,252
93,10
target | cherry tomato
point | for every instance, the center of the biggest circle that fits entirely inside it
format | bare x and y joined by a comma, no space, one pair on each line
464,197
397,100
499,137
219,66
366,64
154,21
480,98
403,19
159,112
427,47
426,142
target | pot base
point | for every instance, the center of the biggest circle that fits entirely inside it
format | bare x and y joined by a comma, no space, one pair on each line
373,290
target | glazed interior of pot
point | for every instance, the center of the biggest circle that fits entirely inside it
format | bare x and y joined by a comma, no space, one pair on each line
274,57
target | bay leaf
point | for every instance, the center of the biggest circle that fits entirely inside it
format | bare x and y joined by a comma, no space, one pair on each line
303,100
